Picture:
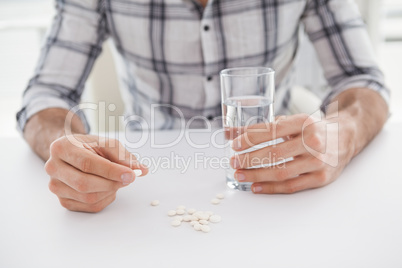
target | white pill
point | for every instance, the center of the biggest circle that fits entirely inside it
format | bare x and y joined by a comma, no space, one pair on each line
193,223
191,211
180,211
196,216
220,196
155,203
205,228
215,201
203,222
181,207
171,213
137,172
209,213
193,218
187,218
215,218
175,223
203,216
197,226
178,218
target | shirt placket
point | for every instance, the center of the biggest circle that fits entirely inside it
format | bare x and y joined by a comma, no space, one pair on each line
210,54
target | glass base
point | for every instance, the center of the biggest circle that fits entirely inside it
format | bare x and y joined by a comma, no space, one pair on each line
240,186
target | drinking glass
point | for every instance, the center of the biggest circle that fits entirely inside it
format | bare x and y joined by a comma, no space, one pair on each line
247,99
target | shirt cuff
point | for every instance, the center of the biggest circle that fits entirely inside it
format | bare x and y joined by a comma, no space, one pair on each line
357,83
36,105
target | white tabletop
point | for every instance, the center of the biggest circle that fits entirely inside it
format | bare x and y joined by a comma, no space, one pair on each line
354,222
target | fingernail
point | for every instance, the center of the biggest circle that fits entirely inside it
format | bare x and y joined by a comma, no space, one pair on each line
236,145
240,176
235,163
127,178
257,189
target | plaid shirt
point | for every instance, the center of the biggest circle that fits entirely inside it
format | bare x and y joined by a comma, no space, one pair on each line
171,52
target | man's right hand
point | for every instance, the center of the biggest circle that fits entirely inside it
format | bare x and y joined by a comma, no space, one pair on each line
86,171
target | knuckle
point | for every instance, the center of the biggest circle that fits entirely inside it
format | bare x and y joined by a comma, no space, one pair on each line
85,164
250,139
282,174
53,187
109,171
91,198
82,185
323,177
255,175
65,203
50,167
277,152
269,188
97,207
56,147
291,187
317,162
316,142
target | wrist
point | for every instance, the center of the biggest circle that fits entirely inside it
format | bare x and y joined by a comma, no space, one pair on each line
349,134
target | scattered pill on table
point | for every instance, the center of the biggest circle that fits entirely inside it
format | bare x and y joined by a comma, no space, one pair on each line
197,226
204,222
178,218
180,211
199,220
155,203
191,211
220,196
187,218
215,218
202,216
215,201
205,228
175,223
171,212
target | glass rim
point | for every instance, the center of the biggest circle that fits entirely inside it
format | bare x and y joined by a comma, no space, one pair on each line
265,71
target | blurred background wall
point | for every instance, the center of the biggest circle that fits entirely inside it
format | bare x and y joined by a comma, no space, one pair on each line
23,24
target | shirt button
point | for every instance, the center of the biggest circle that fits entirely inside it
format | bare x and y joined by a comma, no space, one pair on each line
206,28
209,78
210,117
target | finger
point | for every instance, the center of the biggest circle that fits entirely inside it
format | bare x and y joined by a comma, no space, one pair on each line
74,205
117,153
303,182
269,155
83,182
233,132
62,190
94,164
263,132
278,173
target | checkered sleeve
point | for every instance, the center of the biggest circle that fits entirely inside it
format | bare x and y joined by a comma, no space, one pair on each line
73,43
339,36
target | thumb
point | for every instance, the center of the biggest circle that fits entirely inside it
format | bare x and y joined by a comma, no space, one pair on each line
117,153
